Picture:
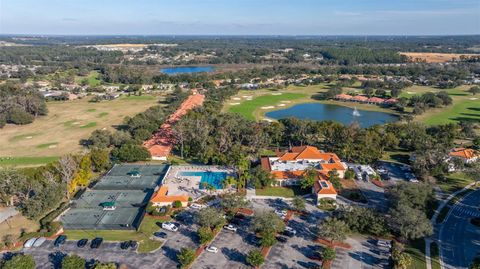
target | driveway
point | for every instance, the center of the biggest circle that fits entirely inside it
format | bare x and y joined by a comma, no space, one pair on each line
374,194
365,254
233,248
459,239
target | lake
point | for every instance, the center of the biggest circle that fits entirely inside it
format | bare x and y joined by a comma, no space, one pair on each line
187,70
342,114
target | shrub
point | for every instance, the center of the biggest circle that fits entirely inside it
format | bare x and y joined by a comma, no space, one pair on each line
19,116
349,174
177,204
205,234
186,256
20,261
329,254
255,258
73,262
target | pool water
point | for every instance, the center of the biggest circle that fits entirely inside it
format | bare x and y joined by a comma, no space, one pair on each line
213,178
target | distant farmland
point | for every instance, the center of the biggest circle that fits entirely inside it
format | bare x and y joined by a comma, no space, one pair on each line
431,57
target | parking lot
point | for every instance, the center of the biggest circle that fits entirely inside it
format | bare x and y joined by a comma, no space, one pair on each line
396,172
48,256
365,254
233,248
300,250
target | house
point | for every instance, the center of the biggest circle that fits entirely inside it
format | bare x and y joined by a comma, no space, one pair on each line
360,99
467,155
324,189
391,101
288,167
161,198
344,97
375,100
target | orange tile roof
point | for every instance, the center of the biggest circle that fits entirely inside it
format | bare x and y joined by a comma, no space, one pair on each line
299,153
317,187
343,96
161,196
375,100
360,98
463,153
332,166
265,162
287,174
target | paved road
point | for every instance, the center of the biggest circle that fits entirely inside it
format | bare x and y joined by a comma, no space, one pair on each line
460,240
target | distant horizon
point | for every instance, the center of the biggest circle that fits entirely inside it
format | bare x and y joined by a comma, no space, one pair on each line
233,35
240,17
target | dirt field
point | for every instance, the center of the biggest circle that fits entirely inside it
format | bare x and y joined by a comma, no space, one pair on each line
15,225
434,57
60,131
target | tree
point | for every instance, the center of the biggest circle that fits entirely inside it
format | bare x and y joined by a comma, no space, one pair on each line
368,92
186,256
410,223
232,202
298,203
100,159
177,204
261,178
255,258
328,254
205,234
20,261
73,262
268,240
105,266
474,90
334,178
364,220
380,93
266,222
309,176
131,153
333,229
66,166
210,217
401,260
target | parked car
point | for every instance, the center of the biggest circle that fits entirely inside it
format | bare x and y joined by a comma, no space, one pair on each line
29,243
384,243
160,234
60,240
290,229
282,239
169,226
96,242
211,249
82,243
39,242
230,227
125,245
197,206
281,212
133,245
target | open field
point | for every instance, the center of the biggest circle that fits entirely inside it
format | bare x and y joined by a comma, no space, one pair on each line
465,107
143,235
431,57
91,80
65,125
16,225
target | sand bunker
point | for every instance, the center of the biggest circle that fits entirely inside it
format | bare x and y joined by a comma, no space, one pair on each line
236,98
234,104
52,146
267,107
282,105
277,93
29,137
267,120
247,96
473,98
410,92
286,102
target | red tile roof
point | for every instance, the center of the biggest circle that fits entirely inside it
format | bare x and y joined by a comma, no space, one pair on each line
324,187
463,153
343,96
360,98
161,196
375,100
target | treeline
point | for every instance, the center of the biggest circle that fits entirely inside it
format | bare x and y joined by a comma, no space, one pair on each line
20,105
125,143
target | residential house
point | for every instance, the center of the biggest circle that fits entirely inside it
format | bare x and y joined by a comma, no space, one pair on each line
288,167
467,155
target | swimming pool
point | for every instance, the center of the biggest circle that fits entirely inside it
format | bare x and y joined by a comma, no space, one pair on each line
213,178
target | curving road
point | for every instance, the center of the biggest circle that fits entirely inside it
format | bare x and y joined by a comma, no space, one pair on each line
460,240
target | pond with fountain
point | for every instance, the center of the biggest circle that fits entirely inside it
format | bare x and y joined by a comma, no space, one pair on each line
342,114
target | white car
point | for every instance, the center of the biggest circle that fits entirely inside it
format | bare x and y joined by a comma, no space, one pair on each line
39,242
383,243
290,230
211,249
169,226
281,212
30,242
230,227
197,206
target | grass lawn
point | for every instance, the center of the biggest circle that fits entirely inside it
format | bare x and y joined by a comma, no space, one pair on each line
454,182
60,132
142,236
416,250
91,80
397,156
465,106
435,256
287,192
26,161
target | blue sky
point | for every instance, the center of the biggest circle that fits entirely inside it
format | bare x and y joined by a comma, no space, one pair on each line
240,17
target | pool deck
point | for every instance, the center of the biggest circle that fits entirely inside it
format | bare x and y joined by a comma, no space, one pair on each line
190,185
